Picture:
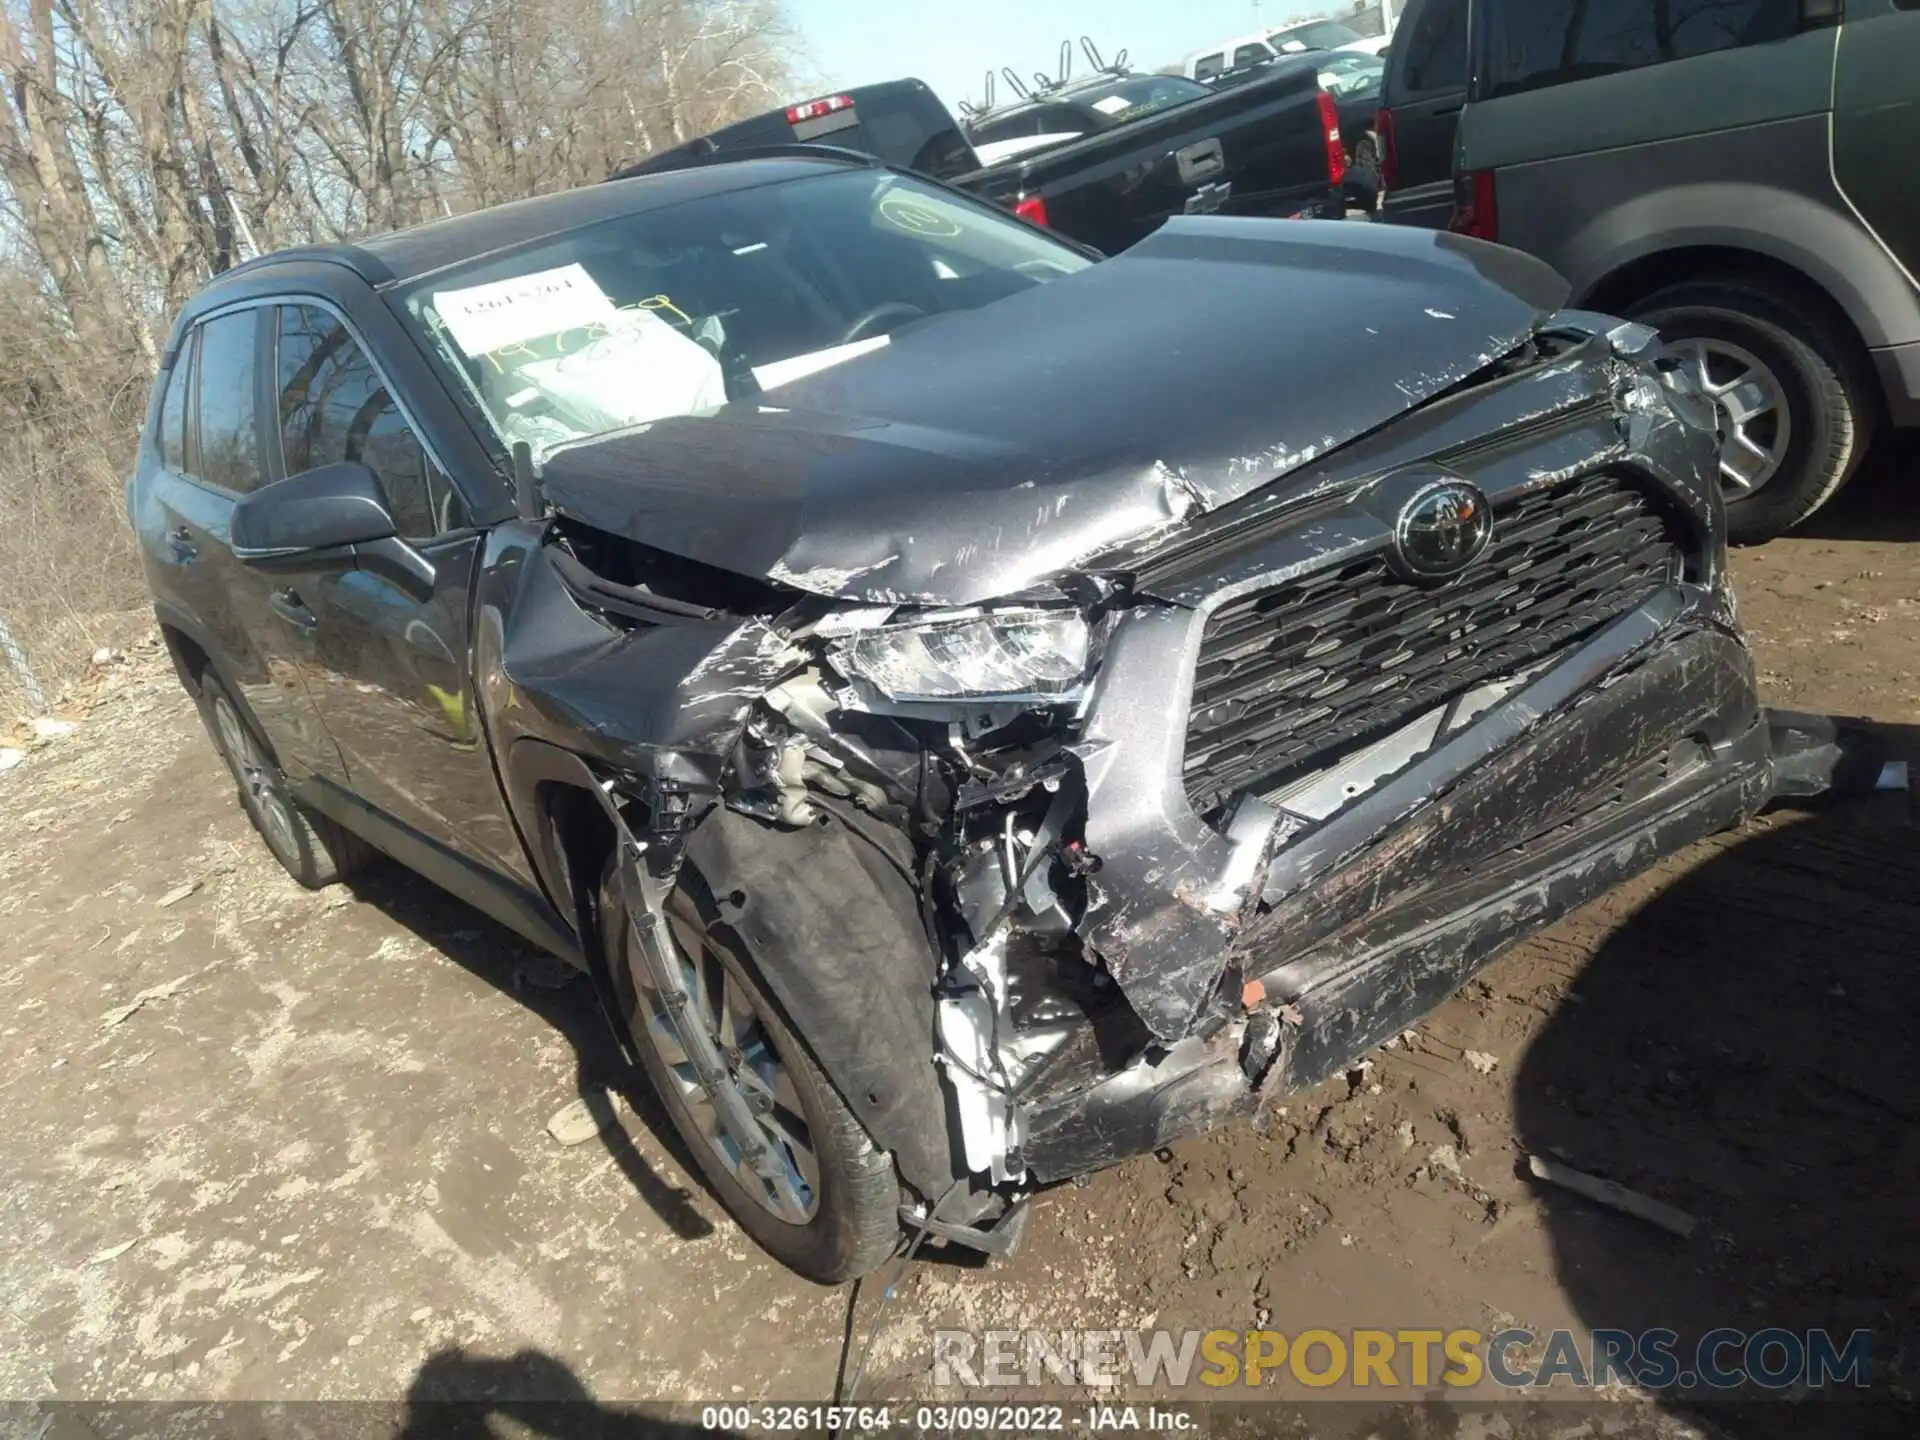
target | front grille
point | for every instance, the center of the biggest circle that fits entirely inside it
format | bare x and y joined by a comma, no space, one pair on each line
1297,673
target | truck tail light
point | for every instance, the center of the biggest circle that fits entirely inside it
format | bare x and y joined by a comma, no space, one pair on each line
1389,150
1031,208
1476,209
1336,148
815,109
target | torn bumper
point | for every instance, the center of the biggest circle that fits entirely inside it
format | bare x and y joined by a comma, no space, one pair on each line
1634,744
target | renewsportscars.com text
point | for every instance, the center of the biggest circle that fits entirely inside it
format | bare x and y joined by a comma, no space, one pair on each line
1723,1359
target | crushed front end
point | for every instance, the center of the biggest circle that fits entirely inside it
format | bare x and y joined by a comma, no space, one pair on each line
1221,806
1307,790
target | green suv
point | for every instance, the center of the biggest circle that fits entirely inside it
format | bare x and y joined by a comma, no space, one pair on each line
1739,173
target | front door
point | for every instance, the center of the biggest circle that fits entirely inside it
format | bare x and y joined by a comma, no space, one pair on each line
391,674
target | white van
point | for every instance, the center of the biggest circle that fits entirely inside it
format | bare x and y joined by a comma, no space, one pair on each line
1287,40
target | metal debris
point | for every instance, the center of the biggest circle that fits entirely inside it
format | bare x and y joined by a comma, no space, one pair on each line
1482,1063
112,1252
179,892
1616,1197
542,972
120,1014
582,1120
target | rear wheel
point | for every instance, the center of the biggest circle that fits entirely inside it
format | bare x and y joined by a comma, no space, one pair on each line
312,848
822,1199
1795,406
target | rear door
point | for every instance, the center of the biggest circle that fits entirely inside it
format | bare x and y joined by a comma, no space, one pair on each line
223,458
1876,122
1425,88
1584,107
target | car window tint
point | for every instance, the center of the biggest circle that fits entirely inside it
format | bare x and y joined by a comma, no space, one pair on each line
172,439
1250,55
334,406
229,449
1532,43
1208,66
1437,48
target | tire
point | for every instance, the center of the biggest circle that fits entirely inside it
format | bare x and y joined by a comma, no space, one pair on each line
854,1225
311,848
1822,391
1362,189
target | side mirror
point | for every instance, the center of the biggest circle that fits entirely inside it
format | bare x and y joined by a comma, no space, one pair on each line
317,515
331,518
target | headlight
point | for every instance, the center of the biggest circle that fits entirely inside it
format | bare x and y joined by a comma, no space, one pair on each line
1007,653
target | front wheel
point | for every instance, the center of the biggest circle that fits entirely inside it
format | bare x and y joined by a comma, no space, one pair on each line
775,1142
1795,410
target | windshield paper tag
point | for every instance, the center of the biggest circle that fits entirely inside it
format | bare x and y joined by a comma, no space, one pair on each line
486,318
1113,104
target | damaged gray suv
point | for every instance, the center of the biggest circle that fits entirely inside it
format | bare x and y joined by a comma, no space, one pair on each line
977,710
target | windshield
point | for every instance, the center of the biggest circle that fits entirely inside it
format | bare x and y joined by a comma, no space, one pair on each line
1140,95
1351,75
1317,35
679,310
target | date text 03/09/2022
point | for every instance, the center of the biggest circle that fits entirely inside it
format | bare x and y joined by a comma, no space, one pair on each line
946,1419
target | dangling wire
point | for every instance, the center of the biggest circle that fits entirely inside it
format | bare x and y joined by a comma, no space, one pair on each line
886,1296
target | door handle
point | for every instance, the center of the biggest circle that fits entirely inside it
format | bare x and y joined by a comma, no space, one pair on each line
180,543
292,609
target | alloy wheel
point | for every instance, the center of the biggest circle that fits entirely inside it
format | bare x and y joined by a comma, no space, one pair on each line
1753,409
259,780
720,1031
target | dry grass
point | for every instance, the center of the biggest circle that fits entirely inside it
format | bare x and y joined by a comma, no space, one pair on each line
69,572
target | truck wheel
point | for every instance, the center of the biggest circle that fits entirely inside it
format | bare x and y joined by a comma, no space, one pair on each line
1795,412
1366,151
830,1211
312,848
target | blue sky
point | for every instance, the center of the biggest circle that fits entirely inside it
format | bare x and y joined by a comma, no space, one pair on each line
950,44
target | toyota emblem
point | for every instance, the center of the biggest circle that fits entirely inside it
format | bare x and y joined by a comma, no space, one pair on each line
1441,531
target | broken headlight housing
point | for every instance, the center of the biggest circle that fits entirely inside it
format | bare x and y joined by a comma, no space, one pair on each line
1027,653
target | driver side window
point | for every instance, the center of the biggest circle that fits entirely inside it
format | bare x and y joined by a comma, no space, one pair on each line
335,406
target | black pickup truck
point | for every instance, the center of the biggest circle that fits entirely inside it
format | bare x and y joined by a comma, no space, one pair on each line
1270,147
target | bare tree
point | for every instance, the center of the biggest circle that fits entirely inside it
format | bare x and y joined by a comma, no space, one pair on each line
146,145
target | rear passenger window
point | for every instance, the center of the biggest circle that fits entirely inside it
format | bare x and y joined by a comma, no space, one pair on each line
1533,43
229,449
172,438
1437,48
1250,55
334,406
1208,66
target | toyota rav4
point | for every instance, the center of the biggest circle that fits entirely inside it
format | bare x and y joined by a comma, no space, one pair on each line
976,710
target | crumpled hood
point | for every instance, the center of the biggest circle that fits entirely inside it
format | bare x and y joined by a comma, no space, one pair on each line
990,451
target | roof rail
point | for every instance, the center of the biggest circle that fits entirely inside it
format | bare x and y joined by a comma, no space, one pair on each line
691,157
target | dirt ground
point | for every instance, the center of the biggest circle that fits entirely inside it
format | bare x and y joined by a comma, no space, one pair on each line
265,1144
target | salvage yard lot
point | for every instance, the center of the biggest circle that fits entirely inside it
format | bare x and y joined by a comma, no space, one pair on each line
262,1143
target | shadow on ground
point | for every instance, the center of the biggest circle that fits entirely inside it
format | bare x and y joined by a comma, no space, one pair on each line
564,998
1743,1047
457,1396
